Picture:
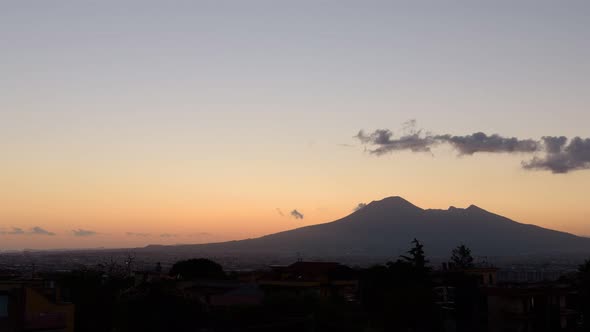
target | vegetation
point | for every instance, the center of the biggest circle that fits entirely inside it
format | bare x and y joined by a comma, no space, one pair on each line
199,268
584,292
397,296
462,258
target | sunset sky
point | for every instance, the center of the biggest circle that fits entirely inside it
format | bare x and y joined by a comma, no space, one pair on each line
125,123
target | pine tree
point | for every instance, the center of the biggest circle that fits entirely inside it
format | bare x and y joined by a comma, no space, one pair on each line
416,255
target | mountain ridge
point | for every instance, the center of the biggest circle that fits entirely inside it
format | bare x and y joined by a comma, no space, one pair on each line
386,227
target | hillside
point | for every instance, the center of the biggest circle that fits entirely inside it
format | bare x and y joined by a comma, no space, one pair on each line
386,227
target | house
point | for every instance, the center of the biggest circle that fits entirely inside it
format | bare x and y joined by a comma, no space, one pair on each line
34,305
487,276
530,307
324,279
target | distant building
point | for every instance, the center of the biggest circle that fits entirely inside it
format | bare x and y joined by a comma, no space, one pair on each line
530,275
34,305
220,293
530,308
148,276
241,295
489,303
324,279
487,276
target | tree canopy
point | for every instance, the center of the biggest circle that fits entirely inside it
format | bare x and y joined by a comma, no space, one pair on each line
462,258
198,268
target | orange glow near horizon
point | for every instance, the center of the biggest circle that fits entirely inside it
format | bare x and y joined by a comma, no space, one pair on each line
221,206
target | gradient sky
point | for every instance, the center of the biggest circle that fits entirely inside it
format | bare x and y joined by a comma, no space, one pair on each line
194,121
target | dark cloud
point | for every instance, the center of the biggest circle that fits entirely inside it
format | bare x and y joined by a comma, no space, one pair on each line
384,141
480,142
561,157
137,234
40,231
360,206
296,214
554,144
13,231
280,212
83,232
555,154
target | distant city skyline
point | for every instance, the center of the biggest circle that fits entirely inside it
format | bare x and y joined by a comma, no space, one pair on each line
126,123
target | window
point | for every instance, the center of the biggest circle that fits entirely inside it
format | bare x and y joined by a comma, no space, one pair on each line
3,306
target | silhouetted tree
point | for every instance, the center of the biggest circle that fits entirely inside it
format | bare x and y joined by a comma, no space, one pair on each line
462,258
416,255
129,260
200,268
399,296
584,292
584,270
111,266
158,307
95,298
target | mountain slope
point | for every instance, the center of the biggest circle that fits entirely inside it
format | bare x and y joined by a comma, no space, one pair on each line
388,226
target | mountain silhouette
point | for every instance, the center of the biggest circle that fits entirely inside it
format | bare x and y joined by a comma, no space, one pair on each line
386,228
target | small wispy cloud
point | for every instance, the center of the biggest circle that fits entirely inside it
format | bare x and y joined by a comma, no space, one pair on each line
384,141
280,212
83,232
13,231
359,207
166,235
40,231
297,215
137,234
32,231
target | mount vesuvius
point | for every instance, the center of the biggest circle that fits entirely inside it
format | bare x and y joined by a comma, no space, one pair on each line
386,228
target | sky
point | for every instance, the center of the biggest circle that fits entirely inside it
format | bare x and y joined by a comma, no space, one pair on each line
125,123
